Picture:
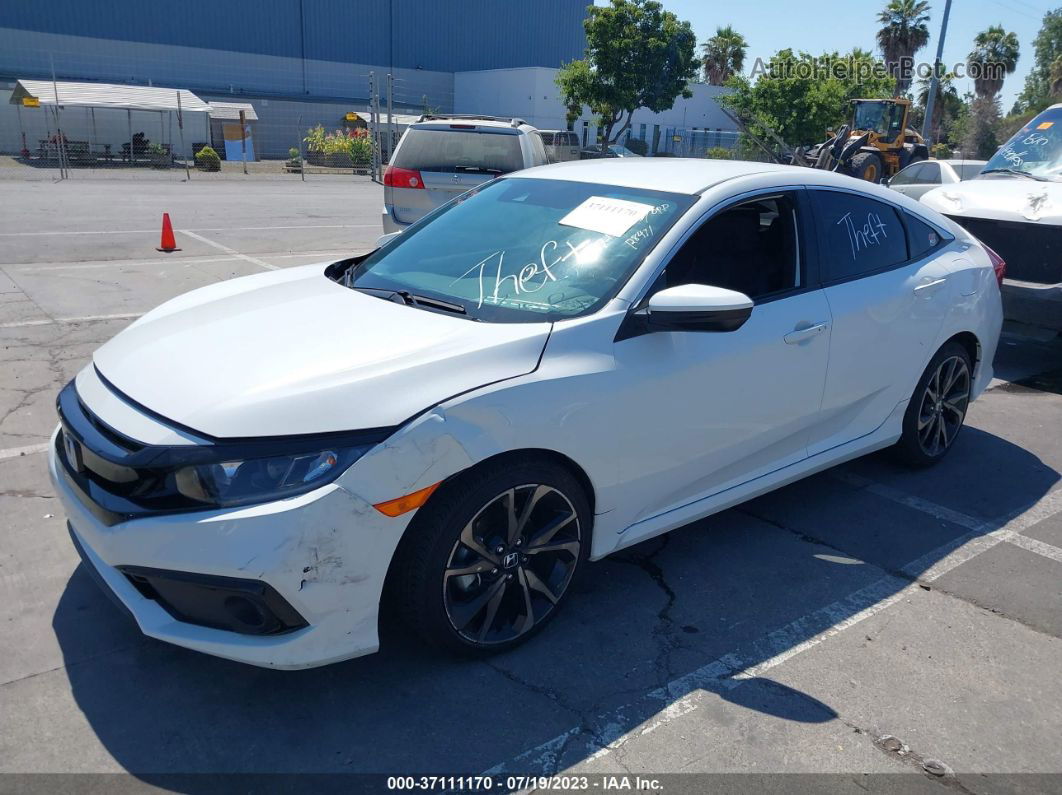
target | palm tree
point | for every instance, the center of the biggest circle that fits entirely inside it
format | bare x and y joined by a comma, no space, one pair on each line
947,101
724,55
904,31
994,56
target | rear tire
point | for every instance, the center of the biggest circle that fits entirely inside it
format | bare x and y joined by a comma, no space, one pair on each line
866,166
937,408
491,558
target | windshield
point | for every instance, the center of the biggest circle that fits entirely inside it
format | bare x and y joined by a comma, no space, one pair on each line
525,250
1036,149
451,151
968,170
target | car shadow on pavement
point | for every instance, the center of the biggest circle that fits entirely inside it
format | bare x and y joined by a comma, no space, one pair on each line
691,614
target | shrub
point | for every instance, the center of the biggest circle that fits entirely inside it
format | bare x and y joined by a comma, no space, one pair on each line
718,153
354,143
293,153
207,159
638,146
941,151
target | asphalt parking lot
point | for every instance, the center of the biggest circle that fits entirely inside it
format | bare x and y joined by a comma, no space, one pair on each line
867,620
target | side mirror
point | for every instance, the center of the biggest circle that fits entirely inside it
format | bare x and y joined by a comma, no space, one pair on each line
698,307
885,181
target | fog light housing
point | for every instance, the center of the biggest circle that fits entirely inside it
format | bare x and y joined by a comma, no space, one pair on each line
249,607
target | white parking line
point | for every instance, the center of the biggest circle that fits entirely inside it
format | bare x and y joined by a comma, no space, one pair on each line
29,267
70,320
683,695
197,229
231,251
983,535
15,452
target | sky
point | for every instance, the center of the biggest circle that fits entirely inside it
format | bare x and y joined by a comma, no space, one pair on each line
772,25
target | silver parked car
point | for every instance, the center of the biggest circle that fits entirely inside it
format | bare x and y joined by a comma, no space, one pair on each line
923,176
440,157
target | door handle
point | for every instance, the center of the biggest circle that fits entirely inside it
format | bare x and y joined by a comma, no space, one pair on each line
801,334
929,287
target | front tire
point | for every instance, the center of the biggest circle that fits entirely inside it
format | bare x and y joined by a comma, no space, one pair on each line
489,560
937,408
866,166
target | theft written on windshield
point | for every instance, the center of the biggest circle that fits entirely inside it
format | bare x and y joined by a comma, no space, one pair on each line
1034,151
523,250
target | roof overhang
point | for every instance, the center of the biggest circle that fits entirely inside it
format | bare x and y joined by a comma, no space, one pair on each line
107,95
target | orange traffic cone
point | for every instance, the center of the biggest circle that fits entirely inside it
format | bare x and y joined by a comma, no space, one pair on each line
168,243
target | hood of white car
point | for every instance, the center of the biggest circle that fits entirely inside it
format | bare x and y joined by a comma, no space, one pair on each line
1000,198
293,352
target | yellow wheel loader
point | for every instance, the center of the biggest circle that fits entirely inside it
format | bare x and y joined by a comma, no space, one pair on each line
874,145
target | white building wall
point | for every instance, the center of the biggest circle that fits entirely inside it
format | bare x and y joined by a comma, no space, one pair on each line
531,94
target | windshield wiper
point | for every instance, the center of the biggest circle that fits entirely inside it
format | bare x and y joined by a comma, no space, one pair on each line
477,170
411,299
1014,171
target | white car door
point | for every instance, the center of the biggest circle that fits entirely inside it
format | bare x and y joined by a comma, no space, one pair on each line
888,305
711,410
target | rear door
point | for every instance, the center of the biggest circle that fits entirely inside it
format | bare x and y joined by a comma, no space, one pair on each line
436,162
888,304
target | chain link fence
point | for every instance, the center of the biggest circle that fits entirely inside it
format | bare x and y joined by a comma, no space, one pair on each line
239,113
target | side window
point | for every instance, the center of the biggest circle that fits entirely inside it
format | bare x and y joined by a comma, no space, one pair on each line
930,174
908,176
921,237
547,138
860,235
751,247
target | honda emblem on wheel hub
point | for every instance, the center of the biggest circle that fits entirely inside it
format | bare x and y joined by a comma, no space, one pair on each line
510,560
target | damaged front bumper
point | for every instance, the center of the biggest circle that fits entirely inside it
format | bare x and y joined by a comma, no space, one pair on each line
287,584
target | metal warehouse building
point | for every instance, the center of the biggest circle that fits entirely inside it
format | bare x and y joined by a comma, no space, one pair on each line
299,62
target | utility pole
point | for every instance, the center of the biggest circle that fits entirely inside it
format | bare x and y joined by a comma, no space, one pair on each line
372,124
243,139
934,83
390,116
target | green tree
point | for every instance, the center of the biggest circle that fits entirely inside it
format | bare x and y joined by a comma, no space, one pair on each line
637,56
1047,47
994,56
981,138
723,55
904,31
1055,77
799,96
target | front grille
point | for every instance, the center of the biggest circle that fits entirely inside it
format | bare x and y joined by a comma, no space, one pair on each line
1033,252
112,474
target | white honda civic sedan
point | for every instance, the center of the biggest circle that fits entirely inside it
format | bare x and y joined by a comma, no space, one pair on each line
554,366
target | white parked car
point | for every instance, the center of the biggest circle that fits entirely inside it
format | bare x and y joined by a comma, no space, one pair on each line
921,177
556,365
1015,203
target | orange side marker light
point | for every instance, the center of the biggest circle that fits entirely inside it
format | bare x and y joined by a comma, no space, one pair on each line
401,505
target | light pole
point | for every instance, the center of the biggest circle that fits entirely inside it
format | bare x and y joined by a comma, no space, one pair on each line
934,83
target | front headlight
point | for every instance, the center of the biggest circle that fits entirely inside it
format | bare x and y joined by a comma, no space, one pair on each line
238,482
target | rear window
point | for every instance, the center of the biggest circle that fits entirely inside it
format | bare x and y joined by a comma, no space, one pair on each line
921,237
968,170
547,138
454,151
